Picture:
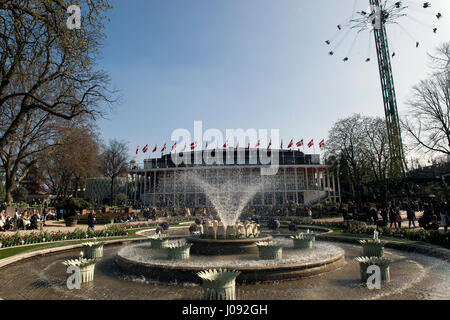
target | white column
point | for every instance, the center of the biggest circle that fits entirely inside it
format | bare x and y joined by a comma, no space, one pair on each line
306,178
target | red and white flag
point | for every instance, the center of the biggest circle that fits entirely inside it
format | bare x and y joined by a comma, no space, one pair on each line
291,144
226,144
258,144
322,143
155,148
300,143
145,149
193,145
311,143
164,148
137,150
270,144
174,146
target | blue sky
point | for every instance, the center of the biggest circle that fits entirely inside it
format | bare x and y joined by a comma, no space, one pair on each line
251,64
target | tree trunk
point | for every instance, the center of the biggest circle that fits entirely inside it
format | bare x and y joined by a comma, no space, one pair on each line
9,188
112,190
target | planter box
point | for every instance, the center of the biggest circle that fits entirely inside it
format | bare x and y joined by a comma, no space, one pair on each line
373,250
159,243
384,269
219,285
383,264
303,243
87,268
93,251
87,273
270,252
179,253
71,223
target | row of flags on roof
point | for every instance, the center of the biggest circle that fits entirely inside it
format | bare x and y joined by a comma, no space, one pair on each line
193,146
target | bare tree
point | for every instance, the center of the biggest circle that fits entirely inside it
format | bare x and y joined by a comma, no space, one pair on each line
39,52
377,153
346,144
360,147
33,140
428,122
75,159
114,161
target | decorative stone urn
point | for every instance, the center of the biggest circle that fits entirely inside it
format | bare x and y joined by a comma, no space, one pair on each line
201,229
240,231
219,284
93,250
373,247
210,233
383,264
159,241
270,250
249,230
303,240
87,268
231,232
179,251
255,230
221,231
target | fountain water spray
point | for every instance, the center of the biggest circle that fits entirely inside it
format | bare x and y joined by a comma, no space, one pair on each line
230,194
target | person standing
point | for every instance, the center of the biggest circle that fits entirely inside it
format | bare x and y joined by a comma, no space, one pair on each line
384,216
411,214
16,220
444,218
392,216
44,216
398,217
91,221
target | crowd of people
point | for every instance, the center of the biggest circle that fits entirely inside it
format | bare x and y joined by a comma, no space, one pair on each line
29,219
434,214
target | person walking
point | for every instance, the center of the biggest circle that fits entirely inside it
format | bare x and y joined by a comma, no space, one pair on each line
384,216
444,218
91,221
392,217
398,218
411,214
44,216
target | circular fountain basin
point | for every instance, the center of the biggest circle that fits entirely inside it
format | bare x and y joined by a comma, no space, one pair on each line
226,247
140,260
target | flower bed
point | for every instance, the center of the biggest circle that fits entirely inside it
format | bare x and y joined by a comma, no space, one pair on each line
18,239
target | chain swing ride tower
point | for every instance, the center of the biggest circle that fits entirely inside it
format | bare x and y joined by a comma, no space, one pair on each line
387,86
381,13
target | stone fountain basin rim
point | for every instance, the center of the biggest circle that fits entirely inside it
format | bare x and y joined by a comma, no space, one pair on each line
338,257
229,241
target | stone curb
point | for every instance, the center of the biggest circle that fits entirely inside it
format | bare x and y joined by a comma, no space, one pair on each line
429,250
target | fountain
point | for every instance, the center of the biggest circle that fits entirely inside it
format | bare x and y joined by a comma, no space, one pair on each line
178,251
93,250
87,267
227,243
373,247
229,236
219,284
270,250
303,240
